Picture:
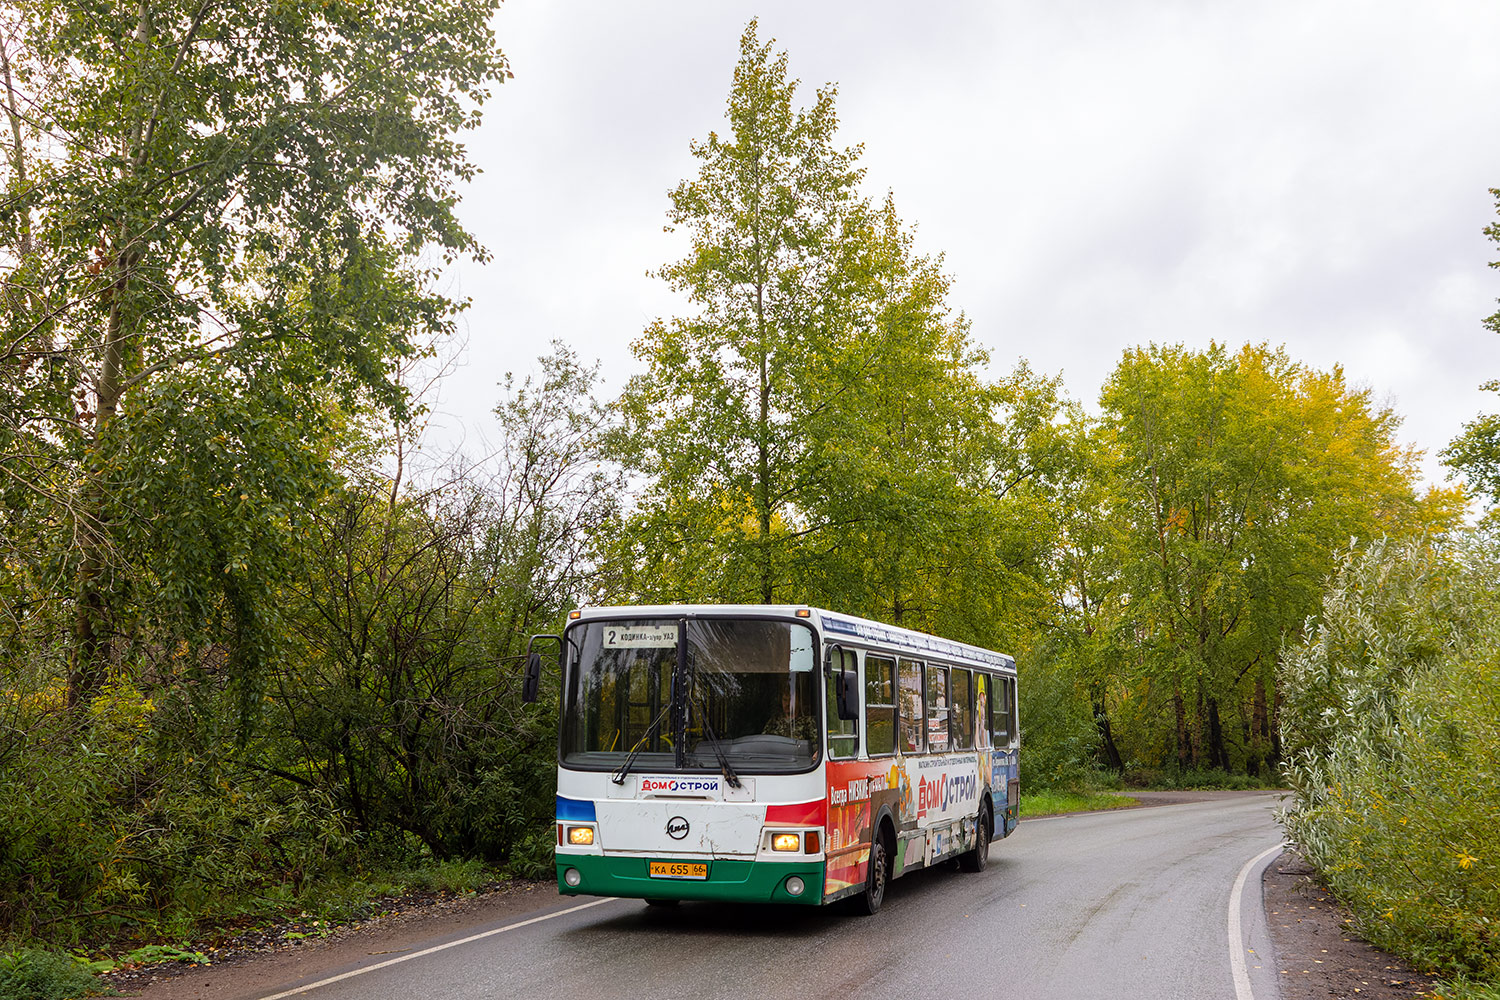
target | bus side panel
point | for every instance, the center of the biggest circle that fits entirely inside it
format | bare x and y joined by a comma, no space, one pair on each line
949,787
1005,785
857,792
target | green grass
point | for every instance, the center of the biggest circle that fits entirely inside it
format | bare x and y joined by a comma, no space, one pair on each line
357,896
1467,989
1049,802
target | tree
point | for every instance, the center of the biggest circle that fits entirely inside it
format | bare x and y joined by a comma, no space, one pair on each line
820,428
720,417
209,239
1475,454
401,693
1237,478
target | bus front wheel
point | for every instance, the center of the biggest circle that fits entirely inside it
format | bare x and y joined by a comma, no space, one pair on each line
876,877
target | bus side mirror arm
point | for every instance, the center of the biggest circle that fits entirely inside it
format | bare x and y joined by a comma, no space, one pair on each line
531,680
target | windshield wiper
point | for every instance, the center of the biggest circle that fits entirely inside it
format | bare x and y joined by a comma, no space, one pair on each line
713,739
619,776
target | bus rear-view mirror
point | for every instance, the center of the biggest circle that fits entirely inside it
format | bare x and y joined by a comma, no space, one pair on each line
532,682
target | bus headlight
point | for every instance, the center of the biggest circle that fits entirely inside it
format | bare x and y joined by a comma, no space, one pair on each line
572,877
786,842
581,836
794,885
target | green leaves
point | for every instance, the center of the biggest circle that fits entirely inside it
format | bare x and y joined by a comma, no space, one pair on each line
210,232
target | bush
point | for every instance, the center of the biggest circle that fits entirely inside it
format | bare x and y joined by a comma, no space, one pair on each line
1059,740
1396,793
31,974
1200,779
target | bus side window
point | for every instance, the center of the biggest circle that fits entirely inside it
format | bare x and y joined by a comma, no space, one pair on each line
843,734
1004,712
880,705
913,716
937,709
1013,721
963,710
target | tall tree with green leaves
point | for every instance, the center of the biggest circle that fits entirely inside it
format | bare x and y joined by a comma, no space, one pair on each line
211,232
721,414
820,427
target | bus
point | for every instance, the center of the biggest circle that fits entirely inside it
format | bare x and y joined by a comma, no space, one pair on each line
773,753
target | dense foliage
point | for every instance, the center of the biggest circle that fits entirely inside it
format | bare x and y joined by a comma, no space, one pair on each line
255,649
1394,743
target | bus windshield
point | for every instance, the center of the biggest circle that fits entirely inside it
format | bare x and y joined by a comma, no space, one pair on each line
746,695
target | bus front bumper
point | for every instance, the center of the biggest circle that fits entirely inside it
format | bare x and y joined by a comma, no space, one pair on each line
727,881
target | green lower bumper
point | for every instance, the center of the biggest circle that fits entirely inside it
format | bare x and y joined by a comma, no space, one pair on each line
728,881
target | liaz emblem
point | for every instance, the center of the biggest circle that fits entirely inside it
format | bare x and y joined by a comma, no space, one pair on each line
677,828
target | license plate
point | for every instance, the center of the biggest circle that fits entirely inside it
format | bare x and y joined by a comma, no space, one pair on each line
678,869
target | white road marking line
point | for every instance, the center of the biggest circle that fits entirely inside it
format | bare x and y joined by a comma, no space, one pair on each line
436,948
1236,937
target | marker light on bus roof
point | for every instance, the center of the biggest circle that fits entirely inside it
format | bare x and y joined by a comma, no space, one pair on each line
786,842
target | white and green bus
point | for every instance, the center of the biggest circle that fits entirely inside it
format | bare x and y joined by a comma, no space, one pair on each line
774,753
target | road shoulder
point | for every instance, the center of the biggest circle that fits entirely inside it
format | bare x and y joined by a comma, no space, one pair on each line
243,971
1317,954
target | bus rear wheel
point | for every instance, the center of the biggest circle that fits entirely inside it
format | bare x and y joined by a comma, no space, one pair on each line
877,877
976,859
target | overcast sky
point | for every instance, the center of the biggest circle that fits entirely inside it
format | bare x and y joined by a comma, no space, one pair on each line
1099,175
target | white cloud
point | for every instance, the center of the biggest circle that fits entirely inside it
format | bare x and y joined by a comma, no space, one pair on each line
1098,175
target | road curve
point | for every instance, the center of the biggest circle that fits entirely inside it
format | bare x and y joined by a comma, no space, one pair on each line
1125,903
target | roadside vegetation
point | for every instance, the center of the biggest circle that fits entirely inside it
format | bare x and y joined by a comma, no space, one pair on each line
260,651
1394,741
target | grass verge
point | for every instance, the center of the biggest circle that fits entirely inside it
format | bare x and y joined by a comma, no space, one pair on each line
1050,802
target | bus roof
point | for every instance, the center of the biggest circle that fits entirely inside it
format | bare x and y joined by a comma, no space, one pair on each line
835,626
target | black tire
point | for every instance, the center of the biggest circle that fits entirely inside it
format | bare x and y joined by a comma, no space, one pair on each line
975,860
662,902
877,877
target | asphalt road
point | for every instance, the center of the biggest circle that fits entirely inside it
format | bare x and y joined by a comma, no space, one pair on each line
1130,903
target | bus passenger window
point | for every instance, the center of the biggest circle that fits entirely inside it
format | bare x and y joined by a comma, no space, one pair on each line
1003,711
880,705
843,734
982,710
963,711
1013,721
937,709
913,718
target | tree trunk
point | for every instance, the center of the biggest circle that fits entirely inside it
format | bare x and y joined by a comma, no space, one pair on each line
92,646
1107,748
1184,744
1218,753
